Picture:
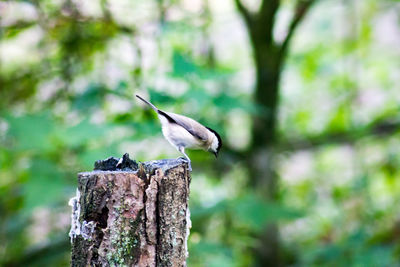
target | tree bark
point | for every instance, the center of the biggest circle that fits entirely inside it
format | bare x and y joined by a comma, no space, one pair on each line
269,57
132,217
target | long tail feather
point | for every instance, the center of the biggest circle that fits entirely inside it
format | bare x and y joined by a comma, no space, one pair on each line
148,103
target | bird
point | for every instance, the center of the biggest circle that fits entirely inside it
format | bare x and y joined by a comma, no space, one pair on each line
183,132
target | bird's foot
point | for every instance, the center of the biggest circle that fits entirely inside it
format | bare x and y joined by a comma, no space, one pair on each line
187,161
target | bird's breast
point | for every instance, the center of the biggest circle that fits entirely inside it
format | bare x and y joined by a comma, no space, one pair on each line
179,136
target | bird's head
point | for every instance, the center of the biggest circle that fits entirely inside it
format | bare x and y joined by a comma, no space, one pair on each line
216,142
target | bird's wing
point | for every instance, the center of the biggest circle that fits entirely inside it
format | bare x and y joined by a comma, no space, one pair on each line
193,127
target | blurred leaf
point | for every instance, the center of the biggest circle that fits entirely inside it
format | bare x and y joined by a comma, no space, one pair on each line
341,118
121,89
199,97
11,198
45,185
199,212
249,210
31,132
18,86
226,102
256,212
342,84
211,254
81,39
157,97
145,128
181,64
311,63
15,29
92,98
49,253
81,133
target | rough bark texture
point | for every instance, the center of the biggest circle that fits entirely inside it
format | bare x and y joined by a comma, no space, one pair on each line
128,217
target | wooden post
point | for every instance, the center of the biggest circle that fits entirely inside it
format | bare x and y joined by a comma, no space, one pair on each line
130,215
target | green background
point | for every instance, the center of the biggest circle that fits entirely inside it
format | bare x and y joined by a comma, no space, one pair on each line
68,74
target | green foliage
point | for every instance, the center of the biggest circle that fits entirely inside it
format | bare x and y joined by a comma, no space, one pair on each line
92,98
256,212
217,254
30,132
69,100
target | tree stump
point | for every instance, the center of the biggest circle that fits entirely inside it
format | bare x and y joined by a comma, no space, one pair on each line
125,214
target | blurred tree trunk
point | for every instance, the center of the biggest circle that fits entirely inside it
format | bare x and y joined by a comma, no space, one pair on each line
269,57
126,218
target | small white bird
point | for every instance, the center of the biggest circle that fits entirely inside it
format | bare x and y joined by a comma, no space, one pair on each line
183,132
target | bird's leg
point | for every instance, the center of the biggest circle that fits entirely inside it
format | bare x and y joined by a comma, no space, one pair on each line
182,150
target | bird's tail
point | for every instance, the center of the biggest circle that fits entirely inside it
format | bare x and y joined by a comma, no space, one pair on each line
148,103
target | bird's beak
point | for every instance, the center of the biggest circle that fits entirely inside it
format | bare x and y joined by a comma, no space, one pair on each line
216,154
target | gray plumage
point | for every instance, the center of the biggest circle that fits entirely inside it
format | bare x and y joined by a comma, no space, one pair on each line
183,132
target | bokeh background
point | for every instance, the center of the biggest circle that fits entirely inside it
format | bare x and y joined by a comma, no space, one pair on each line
309,172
